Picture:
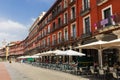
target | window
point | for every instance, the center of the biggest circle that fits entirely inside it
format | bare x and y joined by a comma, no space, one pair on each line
65,18
59,8
106,13
86,4
45,21
59,22
54,26
65,3
66,34
48,41
45,32
87,24
73,13
44,42
49,29
42,33
59,37
54,39
49,17
73,31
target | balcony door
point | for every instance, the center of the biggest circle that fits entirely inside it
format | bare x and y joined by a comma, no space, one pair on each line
86,4
107,15
87,25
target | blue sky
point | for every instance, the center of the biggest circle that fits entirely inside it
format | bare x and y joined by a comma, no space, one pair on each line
16,16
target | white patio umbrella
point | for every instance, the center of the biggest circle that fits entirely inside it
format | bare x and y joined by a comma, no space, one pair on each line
114,43
47,53
34,56
43,54
21,57
38,54
74,53
99,45
59,52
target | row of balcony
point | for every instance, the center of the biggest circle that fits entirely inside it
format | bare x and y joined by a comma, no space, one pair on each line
85,10
110,22
55,14
59,41
56,27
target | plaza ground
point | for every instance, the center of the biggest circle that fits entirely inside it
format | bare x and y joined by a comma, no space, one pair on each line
21,71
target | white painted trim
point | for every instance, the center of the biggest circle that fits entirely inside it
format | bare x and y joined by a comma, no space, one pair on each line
64,16
59,36
71,11
83,4
47,40
71,33
65,5
110,6
67,32
84,22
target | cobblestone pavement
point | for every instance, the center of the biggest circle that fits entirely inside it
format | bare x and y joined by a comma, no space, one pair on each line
20,71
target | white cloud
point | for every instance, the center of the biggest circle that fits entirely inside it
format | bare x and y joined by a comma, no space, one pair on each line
12,31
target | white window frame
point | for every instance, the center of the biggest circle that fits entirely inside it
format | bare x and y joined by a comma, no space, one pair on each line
48,41
53,38
65,4
59,36
65,17
84,4
67,32
45,31
71,11
110,6
48,28
72,29
84,23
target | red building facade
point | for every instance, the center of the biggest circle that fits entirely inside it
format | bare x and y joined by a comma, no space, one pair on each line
69,23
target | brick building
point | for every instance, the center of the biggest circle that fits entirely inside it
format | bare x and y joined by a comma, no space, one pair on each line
69,23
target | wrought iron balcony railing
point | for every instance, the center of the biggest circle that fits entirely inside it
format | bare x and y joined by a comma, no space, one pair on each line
109,23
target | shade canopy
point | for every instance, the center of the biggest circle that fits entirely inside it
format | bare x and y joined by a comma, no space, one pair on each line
24,57
99,45
59,52
35,56
94,45
48,53
70,53
114,43
74,53
38,54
